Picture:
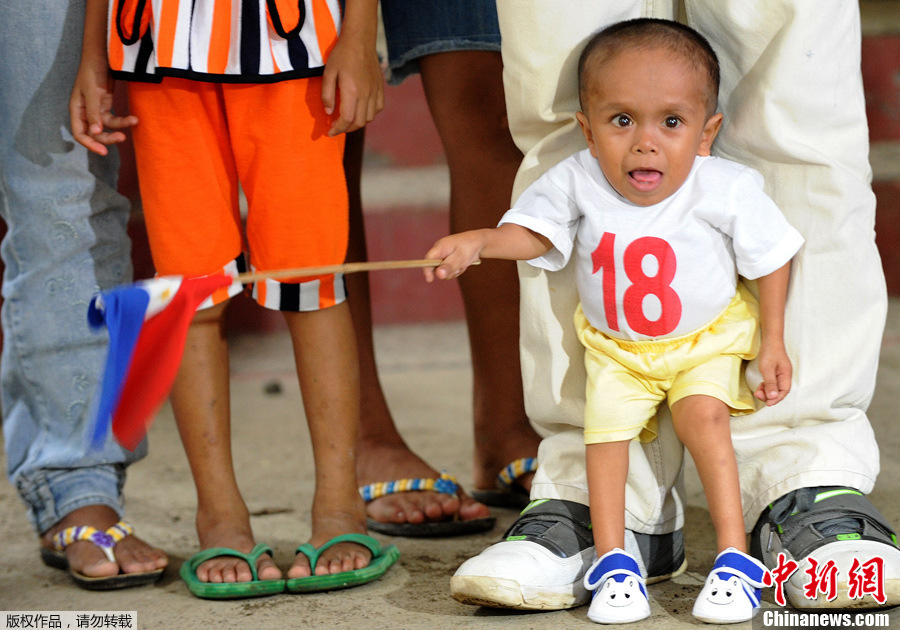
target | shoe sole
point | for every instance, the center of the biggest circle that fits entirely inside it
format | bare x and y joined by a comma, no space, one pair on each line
864,551
494,592
58,560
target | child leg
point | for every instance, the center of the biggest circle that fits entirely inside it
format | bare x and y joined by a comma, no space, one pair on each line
619,591
731,592
607,470
200,400
703,424
325,354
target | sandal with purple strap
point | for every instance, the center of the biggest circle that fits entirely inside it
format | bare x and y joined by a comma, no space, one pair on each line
56,557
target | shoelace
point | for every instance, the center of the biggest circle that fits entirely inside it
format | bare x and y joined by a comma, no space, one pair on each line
801,501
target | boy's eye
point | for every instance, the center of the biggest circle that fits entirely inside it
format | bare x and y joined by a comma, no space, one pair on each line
672,122
621,120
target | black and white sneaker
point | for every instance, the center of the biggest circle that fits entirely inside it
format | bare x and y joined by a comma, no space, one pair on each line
541,562
816,526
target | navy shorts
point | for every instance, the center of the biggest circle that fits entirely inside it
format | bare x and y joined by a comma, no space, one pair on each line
415,28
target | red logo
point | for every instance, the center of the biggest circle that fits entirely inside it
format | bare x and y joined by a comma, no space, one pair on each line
865,578
822,580
782,574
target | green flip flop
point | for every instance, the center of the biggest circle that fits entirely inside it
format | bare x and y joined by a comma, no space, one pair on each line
229,590
382,559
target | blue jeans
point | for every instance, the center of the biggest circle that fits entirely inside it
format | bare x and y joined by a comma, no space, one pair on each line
426,27
66,239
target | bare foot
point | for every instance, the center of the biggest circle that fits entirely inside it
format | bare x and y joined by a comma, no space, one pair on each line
330,520
233,534
133,555
386,462
493,452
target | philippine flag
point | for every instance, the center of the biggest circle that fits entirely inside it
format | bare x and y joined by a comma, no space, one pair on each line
147,323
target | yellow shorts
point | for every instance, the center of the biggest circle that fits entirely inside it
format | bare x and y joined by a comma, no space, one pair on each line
627,380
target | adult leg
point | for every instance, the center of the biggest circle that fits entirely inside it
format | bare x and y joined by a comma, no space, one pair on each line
65,239
383,454
465,95
794,108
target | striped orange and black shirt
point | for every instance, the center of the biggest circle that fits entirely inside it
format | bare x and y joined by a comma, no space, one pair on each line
232,41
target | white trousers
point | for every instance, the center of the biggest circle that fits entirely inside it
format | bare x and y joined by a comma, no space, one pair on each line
792,98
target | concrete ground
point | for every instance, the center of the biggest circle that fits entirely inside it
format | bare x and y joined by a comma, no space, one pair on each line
426,373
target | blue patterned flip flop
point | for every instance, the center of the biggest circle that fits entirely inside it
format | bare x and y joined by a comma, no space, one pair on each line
446,484
508,493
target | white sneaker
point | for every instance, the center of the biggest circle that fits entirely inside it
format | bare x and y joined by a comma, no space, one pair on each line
731,593
542,560
522,574
831,524
620,595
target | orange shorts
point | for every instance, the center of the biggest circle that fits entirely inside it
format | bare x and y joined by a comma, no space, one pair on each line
195,141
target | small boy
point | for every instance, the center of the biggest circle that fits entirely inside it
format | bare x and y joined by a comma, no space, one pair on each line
256,92
661,231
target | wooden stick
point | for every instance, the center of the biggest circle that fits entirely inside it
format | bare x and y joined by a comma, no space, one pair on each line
354,267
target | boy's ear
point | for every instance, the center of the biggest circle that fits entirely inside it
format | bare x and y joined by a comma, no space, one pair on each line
586,130
710,131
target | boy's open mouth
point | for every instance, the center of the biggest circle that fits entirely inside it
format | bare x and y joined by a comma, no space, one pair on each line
645,179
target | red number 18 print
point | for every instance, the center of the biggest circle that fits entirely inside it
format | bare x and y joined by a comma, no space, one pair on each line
642,284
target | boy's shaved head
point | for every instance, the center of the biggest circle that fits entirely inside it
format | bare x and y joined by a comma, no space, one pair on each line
650,33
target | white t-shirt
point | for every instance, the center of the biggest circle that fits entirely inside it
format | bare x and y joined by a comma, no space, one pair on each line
665,270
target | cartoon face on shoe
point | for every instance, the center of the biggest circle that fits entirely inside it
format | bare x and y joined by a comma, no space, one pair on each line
723,600
620,594
619,600
723,592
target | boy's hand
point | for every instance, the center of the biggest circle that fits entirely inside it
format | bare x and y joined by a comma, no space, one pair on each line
352,83
456,252
776,370
90,109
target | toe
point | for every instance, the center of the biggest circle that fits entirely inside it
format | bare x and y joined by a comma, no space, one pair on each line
445,506
87,559
300,568
266,569
396,508
341,558
470,509
136,556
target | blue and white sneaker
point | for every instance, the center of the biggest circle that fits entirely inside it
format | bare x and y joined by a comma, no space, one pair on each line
732,590
620,595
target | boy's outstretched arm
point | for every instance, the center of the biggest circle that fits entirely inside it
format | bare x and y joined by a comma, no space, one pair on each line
90,106
508,242
774,364
353,82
